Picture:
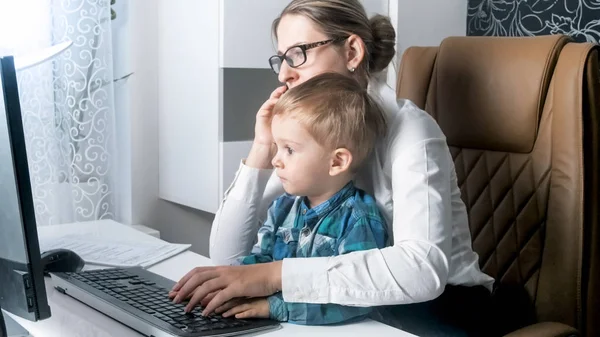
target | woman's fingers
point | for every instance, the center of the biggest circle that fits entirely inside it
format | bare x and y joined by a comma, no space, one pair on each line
262,127
267,107
208,298
228,293
278,92
187,276
201,292
194,283
173,294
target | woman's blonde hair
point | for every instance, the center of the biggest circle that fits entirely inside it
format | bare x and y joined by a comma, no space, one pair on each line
342,18
337,112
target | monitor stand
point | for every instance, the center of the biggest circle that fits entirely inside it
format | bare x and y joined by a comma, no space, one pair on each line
13,328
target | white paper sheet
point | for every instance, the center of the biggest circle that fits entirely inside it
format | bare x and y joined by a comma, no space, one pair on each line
115,253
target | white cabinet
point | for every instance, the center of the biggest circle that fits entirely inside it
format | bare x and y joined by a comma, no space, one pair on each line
213,75
189,102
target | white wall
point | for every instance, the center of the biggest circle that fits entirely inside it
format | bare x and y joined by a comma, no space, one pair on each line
428,22
424,23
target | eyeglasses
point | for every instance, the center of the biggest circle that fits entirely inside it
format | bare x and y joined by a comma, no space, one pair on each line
296,56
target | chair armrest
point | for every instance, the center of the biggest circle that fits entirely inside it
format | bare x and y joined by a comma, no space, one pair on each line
545,329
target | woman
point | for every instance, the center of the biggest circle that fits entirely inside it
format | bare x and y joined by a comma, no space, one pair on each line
411,174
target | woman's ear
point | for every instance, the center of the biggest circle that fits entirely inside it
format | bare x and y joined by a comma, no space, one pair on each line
355,51
341,159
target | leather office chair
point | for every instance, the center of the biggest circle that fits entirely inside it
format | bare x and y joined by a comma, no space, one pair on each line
521,119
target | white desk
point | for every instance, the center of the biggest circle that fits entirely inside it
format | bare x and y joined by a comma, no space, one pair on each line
71,318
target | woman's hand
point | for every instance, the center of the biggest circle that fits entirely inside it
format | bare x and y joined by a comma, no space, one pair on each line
262,151
264,117
226,283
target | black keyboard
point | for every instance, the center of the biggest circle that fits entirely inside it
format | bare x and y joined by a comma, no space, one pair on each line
144,295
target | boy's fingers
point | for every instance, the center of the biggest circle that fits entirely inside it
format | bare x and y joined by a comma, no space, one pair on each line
228,305
246,314
237,309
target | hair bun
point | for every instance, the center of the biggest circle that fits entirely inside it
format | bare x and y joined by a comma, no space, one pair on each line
384,42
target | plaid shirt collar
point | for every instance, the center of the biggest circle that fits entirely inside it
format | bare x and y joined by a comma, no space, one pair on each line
312,216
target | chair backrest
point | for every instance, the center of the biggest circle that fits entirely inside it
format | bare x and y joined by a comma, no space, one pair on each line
521,119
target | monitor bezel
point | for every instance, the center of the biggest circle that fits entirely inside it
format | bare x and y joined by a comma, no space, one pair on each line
32,273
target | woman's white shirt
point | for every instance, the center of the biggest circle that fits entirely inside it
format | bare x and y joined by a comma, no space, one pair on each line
411,175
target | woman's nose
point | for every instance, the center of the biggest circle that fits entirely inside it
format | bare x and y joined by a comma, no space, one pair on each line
287,74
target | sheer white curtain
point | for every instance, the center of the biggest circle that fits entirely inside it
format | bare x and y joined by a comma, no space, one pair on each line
67,105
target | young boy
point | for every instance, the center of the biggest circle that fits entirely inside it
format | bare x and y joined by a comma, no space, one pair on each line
324,129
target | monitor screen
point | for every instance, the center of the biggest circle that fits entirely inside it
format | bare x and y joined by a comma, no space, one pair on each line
22,290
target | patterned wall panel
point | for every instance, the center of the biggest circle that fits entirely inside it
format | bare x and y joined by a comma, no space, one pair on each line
577,18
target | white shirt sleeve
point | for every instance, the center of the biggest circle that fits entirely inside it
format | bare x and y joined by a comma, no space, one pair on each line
242,211
416,267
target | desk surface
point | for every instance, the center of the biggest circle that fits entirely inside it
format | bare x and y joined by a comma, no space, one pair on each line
71,318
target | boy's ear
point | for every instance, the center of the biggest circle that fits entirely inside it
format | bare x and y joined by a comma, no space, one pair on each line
341,159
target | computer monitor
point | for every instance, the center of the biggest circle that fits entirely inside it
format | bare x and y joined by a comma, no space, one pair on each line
22,289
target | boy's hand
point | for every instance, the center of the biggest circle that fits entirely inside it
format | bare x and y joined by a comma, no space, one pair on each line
245,308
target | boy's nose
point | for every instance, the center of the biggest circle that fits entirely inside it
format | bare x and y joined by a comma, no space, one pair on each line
276,162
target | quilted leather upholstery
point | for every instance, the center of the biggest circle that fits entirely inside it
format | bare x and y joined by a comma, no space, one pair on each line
506,195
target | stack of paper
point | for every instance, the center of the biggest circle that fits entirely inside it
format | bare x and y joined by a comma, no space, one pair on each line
113,253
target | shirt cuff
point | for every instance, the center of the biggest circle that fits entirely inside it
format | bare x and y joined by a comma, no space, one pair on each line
277,308
249,183
305,280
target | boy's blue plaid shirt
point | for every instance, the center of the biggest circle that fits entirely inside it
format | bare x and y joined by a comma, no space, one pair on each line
349,221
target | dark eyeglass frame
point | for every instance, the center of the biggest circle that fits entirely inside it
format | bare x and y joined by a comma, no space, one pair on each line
304,48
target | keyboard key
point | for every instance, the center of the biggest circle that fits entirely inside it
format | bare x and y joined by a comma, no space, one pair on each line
219,325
